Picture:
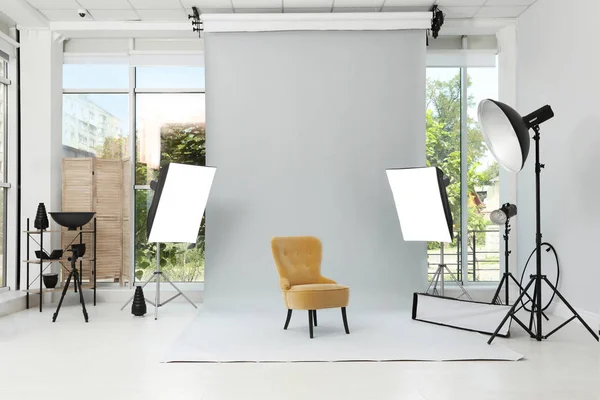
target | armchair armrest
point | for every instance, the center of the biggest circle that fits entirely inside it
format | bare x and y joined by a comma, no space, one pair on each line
284,283
322,279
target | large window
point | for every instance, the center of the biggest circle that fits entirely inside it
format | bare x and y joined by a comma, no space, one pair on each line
4,82
165,108
451,122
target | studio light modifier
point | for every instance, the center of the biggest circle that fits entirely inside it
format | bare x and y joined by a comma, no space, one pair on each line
503,214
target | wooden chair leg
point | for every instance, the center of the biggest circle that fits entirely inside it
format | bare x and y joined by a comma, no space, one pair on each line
287,320
310,323
315,317
345,320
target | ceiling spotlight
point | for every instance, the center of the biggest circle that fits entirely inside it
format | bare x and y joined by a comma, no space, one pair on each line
503,214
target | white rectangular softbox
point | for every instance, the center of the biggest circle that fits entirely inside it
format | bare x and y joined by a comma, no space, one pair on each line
421,203
177,208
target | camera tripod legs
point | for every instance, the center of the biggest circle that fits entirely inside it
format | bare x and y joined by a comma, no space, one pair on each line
74,274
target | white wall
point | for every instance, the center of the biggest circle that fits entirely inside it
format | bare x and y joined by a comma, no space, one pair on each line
507,93
556,66
301,126
41,128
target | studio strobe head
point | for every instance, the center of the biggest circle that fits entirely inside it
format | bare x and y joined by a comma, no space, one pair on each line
502,215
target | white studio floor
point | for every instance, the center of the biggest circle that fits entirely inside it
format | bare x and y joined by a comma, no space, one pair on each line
383,336
118,356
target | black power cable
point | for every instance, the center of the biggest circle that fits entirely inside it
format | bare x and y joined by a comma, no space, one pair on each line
550,248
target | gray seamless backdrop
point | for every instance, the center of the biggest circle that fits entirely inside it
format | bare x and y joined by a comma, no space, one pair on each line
301,127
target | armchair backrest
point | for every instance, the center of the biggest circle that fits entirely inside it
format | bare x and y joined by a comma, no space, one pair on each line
298,258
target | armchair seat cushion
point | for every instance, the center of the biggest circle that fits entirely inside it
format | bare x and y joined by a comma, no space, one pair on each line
316,296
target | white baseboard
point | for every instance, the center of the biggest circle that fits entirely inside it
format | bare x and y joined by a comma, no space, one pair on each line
560,310
121,295
14,301
124,294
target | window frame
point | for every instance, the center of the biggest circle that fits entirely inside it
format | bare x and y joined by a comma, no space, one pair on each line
4,184
464,182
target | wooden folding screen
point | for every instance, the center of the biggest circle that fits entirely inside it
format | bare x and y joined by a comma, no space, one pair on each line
103,186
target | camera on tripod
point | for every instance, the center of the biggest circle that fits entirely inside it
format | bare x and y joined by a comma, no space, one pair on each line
73,221
78,250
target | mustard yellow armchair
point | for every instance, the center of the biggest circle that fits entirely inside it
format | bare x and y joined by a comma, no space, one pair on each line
298,261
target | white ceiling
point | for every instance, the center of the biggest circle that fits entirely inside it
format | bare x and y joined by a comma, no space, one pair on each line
4,19
177,10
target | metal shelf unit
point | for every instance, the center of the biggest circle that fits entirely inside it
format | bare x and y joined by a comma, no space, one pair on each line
45,263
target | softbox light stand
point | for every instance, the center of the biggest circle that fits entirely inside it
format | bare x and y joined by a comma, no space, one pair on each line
538,279
175,216
507,276
157,275
439,277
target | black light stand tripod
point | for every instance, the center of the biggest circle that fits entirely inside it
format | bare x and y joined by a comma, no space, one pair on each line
507,276
536,280
78,251
159,275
